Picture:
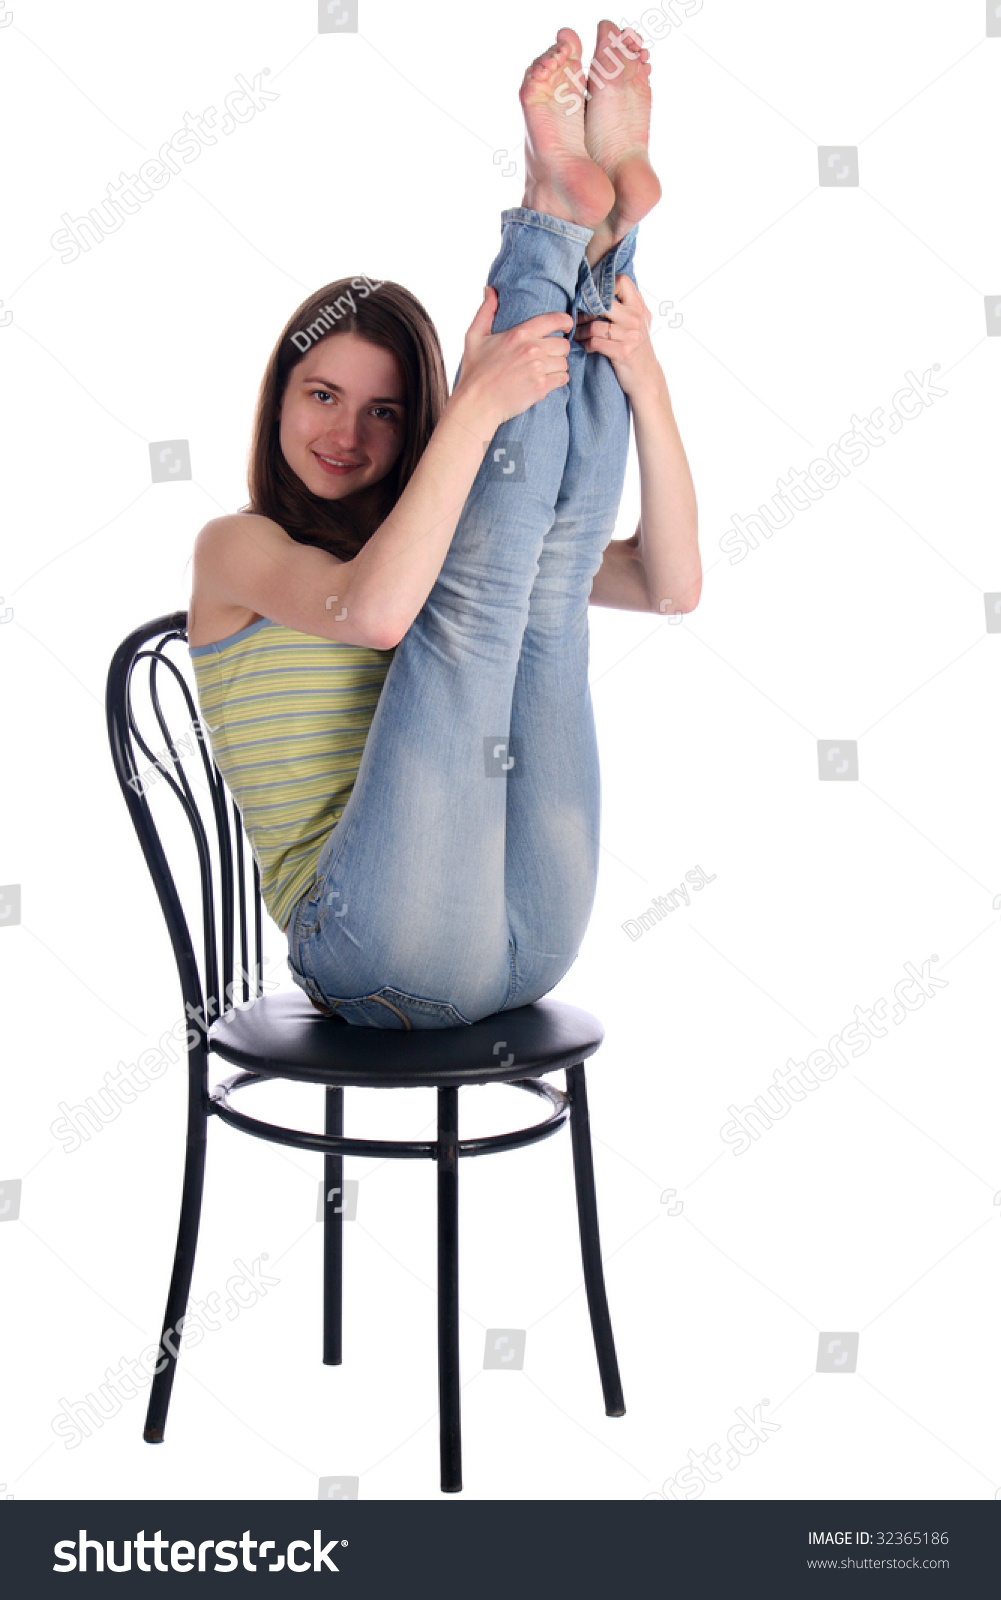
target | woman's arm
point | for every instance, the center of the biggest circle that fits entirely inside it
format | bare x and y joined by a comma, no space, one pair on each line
659,568
620,582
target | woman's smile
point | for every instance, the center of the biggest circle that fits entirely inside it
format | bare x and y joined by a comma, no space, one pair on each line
336,464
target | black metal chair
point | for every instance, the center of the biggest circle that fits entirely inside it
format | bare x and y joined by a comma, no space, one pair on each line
283,1036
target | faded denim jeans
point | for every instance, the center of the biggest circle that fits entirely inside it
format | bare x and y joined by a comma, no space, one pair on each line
460,877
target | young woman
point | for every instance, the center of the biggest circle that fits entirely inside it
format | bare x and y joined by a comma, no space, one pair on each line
391,642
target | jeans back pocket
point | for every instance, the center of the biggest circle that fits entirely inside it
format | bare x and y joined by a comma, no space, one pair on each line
394,1008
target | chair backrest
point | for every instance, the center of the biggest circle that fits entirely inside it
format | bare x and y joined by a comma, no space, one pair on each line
209,992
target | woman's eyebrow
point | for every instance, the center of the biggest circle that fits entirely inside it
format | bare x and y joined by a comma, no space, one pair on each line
381,400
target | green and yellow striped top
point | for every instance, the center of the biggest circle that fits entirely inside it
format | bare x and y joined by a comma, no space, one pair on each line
287,716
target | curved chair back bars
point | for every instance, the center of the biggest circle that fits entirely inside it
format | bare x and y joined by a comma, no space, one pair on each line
211,989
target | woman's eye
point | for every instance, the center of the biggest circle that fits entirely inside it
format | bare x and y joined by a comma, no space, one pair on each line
388,415
317,393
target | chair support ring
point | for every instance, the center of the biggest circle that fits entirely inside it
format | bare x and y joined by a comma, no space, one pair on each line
339,1144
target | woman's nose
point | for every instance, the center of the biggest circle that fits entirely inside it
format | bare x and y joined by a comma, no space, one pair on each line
344,432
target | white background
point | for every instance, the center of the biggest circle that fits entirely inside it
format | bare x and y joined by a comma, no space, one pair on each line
871,1207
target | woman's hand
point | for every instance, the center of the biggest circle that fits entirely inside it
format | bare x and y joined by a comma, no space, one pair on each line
508,372
623,335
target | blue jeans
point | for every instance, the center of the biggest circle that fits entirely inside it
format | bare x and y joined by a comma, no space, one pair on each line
459,879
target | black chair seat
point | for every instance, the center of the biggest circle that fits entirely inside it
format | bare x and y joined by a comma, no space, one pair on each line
285,1035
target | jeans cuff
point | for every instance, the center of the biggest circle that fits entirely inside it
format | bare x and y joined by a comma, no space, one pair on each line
542,219
596,285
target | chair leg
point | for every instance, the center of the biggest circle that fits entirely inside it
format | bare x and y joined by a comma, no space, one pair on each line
333,1230
180,1279
590,1244
450,1442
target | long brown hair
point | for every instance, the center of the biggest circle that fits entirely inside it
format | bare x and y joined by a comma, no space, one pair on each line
389,316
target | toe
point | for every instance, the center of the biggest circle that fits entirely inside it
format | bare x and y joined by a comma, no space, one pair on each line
567,36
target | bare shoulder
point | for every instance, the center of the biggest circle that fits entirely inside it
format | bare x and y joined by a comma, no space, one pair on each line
247,567
224,534
212,616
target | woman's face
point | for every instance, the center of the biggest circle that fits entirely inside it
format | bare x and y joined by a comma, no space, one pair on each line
341,421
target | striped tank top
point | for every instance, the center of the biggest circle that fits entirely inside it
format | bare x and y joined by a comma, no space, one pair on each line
287,715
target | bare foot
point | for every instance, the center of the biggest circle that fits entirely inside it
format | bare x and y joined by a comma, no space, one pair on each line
617,129
560,176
